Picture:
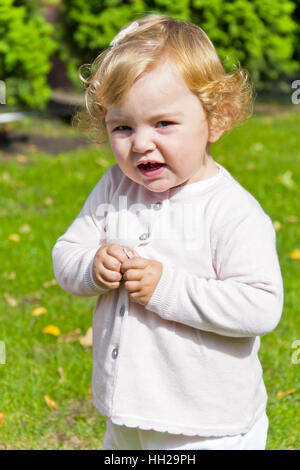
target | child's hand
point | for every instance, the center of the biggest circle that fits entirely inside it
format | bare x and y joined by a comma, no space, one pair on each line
141,278
107,263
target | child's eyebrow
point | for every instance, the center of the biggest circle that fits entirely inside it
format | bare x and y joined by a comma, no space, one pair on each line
113,120
166,115
152,117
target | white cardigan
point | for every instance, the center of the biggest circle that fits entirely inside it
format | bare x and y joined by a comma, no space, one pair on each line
187,362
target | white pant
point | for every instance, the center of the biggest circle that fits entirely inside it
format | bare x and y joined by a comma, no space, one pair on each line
125,438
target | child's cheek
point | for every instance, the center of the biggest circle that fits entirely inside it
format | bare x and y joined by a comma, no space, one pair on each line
120,147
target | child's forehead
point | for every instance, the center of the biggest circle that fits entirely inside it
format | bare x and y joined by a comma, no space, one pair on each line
154,90
164,81
151,99
158,86
165,68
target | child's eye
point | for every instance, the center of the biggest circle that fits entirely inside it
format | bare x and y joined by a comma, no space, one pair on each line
164,123
122,128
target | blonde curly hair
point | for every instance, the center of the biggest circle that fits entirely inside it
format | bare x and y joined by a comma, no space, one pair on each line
226,97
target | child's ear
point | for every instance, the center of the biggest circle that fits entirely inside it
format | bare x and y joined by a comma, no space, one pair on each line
215,134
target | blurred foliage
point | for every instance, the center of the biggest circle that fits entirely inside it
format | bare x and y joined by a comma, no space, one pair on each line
25,50
258,33
86,28
263,35
296,17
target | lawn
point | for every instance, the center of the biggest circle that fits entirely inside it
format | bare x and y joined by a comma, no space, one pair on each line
45,400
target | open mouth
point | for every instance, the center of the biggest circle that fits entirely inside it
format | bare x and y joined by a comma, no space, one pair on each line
151,169
151,166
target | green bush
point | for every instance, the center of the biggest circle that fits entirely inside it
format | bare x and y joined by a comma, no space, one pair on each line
86,28
262,34
258,33
25,48
296,17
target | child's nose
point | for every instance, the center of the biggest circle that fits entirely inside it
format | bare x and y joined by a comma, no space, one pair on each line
142,141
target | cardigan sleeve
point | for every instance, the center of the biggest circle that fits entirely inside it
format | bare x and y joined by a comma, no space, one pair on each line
246,297
73,253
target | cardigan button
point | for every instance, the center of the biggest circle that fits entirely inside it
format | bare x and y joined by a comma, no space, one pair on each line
157,205
122,310
144,236
115,353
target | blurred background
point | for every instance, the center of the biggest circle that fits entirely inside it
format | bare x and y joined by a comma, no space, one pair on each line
48,168
44,42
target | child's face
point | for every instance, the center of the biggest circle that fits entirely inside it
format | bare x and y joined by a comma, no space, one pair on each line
160,121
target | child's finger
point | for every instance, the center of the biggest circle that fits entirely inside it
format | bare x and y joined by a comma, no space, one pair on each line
134,263
107,279
117,252
133,274
109,275
111,263
132,286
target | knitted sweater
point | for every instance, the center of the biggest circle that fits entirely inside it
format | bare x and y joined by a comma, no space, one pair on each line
187,362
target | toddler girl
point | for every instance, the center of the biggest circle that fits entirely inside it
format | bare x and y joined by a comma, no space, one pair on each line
182,257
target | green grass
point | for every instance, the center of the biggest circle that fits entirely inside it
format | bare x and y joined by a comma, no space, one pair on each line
47,193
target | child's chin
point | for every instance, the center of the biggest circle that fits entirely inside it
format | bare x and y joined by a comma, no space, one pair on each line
154,185
157,186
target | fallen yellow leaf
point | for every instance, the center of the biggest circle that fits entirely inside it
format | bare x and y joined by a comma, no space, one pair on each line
14,237
6,176
50,402
295,254
100,161
70,336
61,374
47,284
32,298
25,228
282,394
2,418
10,300
293,219
257,146
32,147
21,158
36,312
48,201
51,330
10,276
251,166
87,340
277,225
286,179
